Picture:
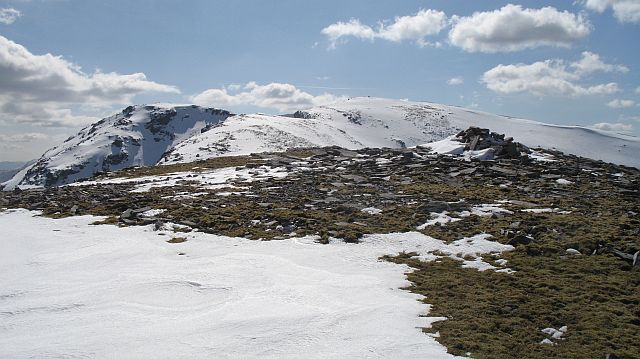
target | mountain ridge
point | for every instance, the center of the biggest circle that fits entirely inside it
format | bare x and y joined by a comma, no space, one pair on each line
147,135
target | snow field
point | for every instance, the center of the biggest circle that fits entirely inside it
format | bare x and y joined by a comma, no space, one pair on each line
70,289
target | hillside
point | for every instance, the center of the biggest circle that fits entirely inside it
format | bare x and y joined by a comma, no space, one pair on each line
304,253
165,134
138,136
375,122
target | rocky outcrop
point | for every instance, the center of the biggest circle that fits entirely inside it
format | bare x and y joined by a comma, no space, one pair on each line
477,139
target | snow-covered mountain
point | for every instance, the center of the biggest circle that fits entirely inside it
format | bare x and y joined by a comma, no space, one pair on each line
165,134
138,136
376,122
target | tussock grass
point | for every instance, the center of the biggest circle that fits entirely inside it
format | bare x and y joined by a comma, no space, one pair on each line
177,240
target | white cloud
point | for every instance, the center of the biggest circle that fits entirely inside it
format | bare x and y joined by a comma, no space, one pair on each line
617,103
415,27
336,32
591,62
23,137
279,96
412,28
42,88
618,127
513,28
623,10
458,80
549,78
9,15
17,141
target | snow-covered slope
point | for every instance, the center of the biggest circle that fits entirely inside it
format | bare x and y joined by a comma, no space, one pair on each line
375,122
138,136
149,135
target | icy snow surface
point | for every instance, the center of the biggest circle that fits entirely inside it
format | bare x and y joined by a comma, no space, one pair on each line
210,179
555,334
371,210
441,218
447,146
70,289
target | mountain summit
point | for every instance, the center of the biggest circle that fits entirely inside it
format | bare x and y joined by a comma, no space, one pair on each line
137,136
150,135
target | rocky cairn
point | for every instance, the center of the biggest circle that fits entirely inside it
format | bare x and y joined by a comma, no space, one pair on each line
477,139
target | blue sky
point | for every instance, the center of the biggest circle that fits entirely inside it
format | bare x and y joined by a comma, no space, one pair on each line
554,61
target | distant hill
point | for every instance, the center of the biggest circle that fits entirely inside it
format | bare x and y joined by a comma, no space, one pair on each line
8,169
148,135
8,165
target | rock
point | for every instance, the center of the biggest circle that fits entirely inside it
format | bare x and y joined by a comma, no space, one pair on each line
633,258
74,210
477,139
128,221
127,214
140,210
520,239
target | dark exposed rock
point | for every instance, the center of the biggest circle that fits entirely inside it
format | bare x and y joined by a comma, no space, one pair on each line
127,214
303,114
519,239
477,139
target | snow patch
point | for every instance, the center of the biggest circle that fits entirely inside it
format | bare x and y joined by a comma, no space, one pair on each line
438,218
371,210
212,179
126,292
563,181
555,335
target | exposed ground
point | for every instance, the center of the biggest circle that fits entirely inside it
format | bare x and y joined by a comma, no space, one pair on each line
574,223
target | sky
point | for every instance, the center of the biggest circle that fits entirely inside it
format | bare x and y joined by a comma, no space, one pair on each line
67,63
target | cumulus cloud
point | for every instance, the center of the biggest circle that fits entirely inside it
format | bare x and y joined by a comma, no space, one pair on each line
591,62
340,30
45,115
416,28
514,28
9,15
454,81
618,127
34,87
549,78
617,103
623,10
279,96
